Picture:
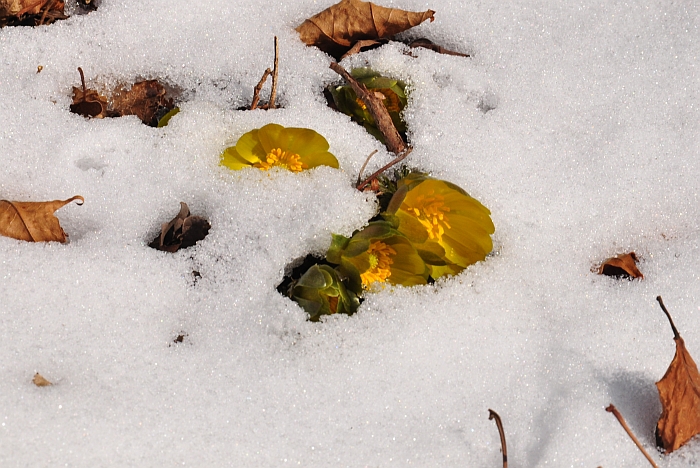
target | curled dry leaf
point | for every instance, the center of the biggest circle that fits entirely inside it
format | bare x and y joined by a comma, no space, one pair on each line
336,29
679,392
40,381
88,102
621,265
182,232
33,221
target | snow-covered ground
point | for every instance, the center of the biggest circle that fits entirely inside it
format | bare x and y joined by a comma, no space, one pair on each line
591,149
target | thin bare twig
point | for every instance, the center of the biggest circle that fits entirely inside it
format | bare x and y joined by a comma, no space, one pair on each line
623,423
676,335
393,162
375,106
501,432
362,169
273,91
258,87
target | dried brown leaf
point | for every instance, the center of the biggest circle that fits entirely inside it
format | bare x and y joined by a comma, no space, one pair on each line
30,12
40,381
33,221
144,100
182,232
88,102
679,392
621,265
336,29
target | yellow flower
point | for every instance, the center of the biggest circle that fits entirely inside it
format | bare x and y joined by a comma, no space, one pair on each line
449,229
380,260
377,254
294,149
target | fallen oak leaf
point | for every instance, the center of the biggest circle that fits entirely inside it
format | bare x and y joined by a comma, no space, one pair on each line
337,28
88,102
182,232
33,221
40,381
621,265
679,392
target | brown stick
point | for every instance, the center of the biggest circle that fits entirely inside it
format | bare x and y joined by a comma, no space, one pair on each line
375,106
676,335
393,162
258,87
499,424
273,91
623,423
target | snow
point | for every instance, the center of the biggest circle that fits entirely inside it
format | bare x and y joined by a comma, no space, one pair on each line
575,123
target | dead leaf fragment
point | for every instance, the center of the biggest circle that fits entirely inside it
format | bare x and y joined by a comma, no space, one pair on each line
88,102
182,232
33,221
144,100
40,381
621,265
679,392
30,12
336,29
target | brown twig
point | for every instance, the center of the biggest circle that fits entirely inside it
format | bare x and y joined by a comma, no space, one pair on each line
499,424
676,335
258,87
623,423
375,106
393,162
273,91
362,169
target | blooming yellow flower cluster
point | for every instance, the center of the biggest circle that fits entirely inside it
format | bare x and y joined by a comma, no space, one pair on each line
430,228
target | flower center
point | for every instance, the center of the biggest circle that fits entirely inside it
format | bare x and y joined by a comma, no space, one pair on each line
279,158
379,263
430,210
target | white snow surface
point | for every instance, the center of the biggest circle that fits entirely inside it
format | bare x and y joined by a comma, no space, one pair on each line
576,123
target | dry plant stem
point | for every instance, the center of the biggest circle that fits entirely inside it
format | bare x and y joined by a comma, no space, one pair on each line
256,90
362,169
499,424
49,5
375,106
676,335
82,80
395,161
623,423
273,91
28,8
